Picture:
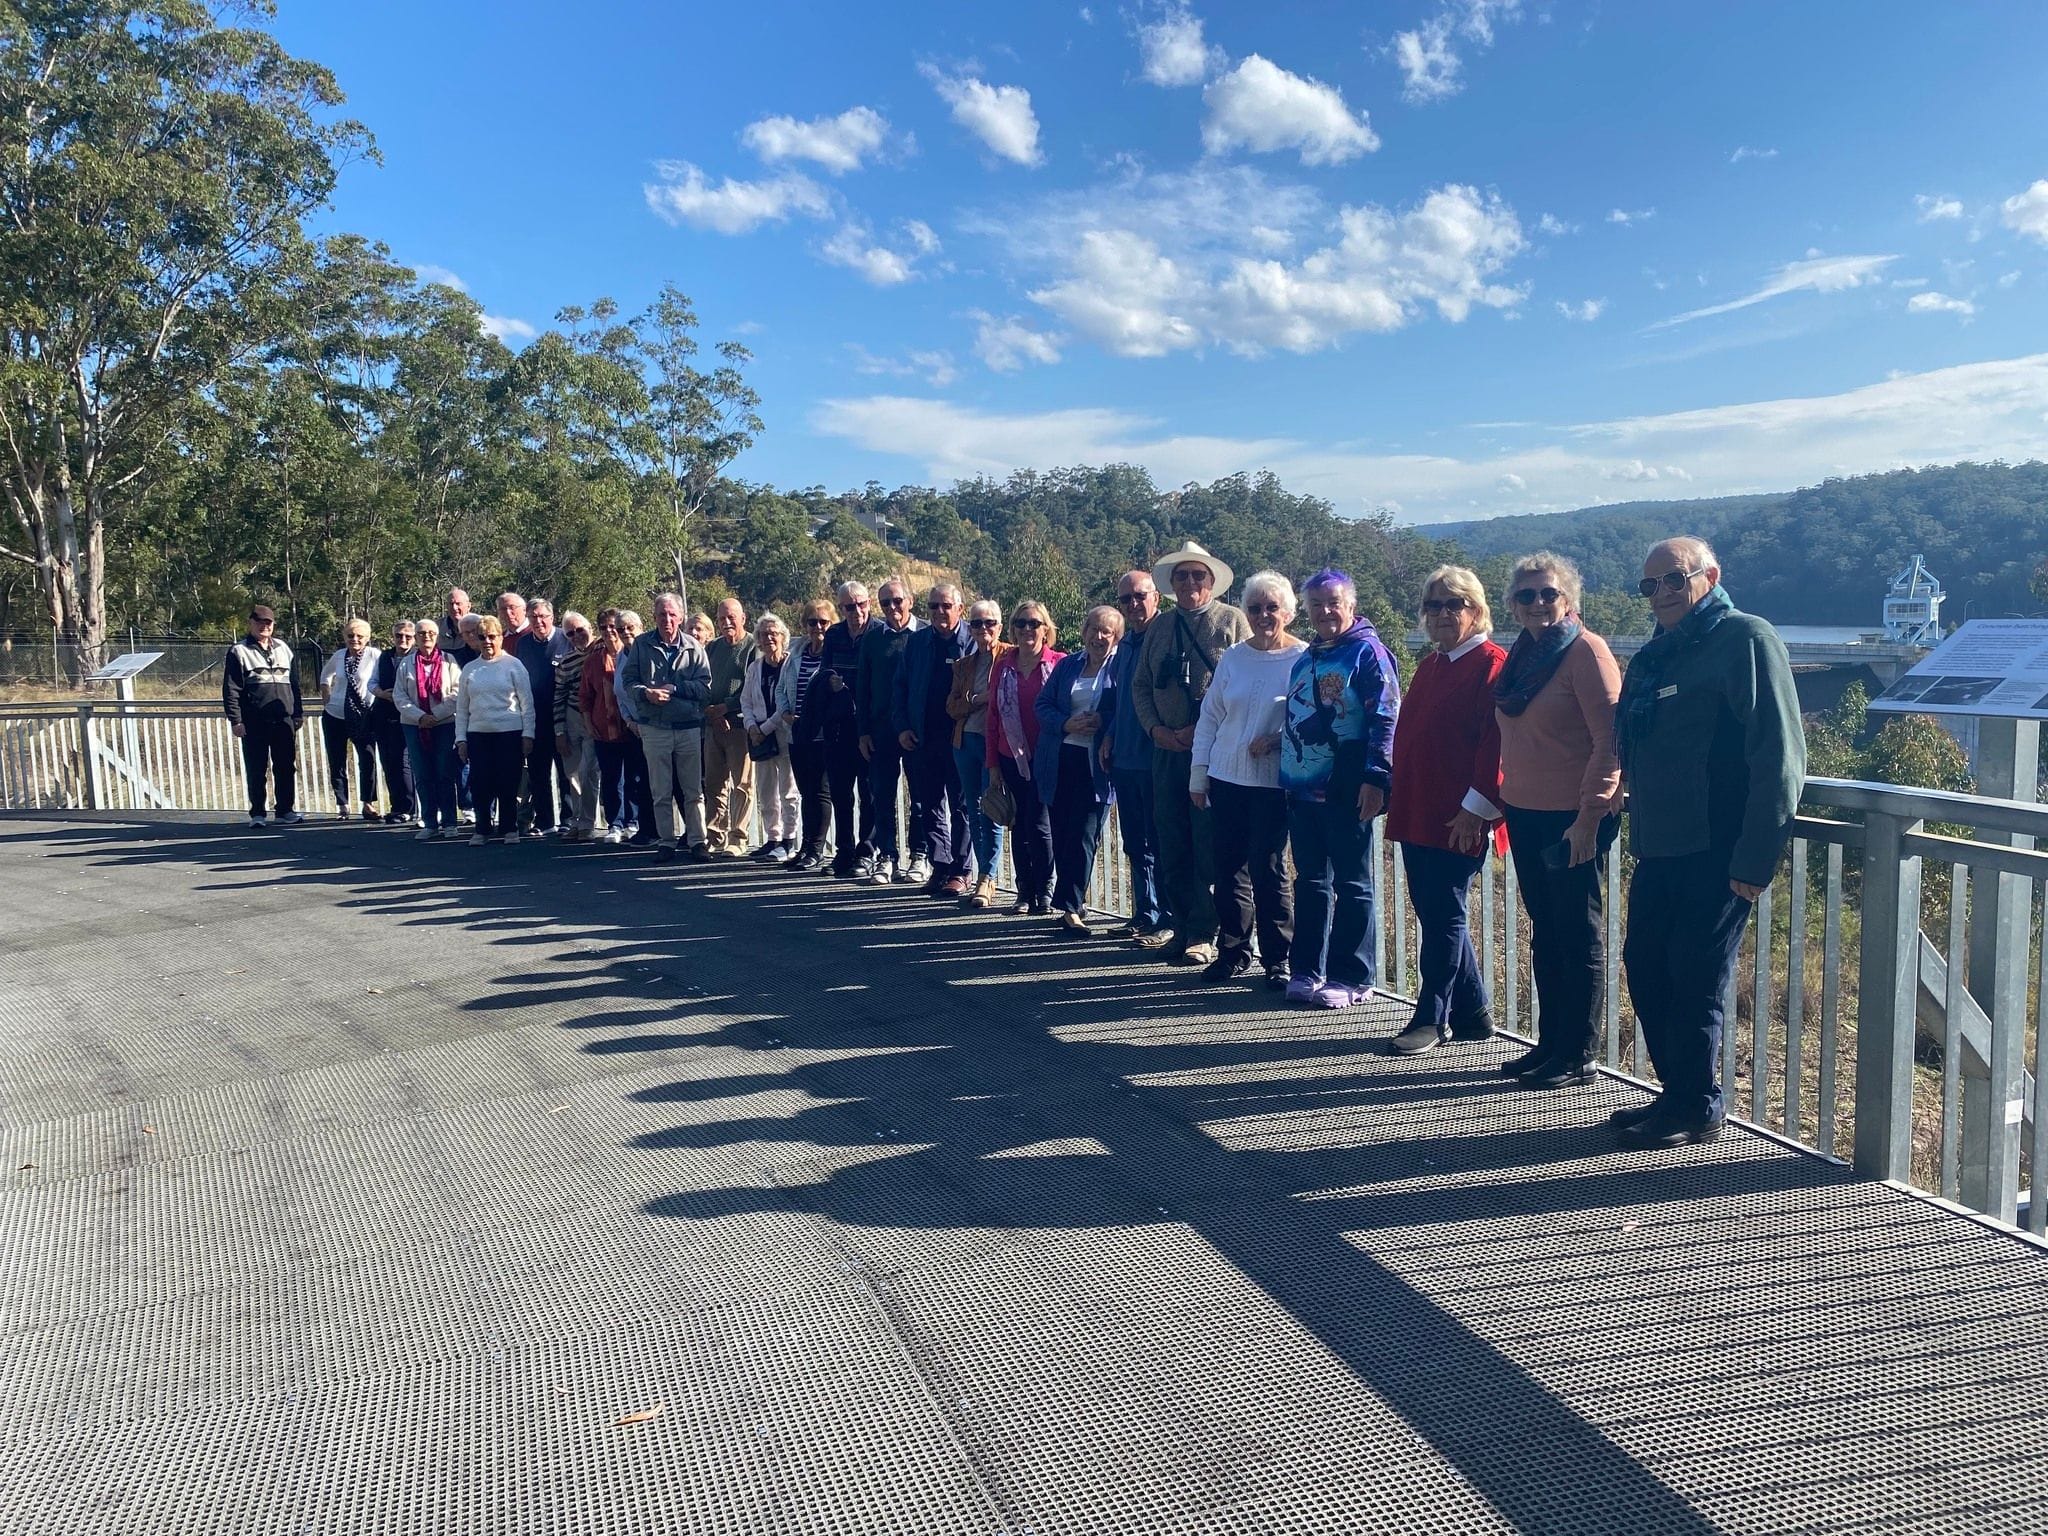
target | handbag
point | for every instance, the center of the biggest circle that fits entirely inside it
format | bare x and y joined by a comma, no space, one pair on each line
998,804
767,747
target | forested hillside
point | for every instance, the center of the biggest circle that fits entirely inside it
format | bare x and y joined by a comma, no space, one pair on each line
1824,554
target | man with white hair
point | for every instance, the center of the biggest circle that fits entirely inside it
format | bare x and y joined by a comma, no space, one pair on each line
668,679
538,650
874,692
845,766
924,734
1713,758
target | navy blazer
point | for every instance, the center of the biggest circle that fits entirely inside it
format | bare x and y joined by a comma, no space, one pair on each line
1055,703
929,649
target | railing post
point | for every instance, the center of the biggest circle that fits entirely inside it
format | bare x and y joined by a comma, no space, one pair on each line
1888,980
2001,934
88,765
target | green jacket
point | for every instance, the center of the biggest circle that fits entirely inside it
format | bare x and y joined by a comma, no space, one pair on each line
1723,760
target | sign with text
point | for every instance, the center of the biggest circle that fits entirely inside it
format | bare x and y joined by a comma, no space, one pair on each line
1992,667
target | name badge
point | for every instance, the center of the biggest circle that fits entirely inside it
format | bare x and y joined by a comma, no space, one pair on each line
1665,693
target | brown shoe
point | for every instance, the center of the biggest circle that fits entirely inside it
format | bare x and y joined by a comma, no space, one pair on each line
954,886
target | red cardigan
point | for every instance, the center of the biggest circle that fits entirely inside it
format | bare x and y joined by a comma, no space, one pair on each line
1446,741
1029,681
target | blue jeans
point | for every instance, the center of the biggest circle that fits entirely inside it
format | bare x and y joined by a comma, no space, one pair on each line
1134,818
970,758
1333,891
1452,990
433,772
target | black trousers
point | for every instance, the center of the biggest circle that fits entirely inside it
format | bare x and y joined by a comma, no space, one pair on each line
270,753
938,829
540,778
1030,835
1684,931
1452,988
344,737
1077,819
807,759
847,772
494,762
397,765
885,770
1184,852
1248,839
1567,933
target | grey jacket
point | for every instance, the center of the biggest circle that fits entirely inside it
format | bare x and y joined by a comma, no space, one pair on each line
648,663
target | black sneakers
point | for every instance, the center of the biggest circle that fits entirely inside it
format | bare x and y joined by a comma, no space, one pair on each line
1422,1035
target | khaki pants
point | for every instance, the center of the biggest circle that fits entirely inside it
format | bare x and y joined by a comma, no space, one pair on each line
579,769
728,787
675,766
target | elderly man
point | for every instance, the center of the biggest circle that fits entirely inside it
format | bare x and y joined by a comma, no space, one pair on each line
874,692
346,696
538,649
454,642
668,679
1127,749
728,771
1713,759
924,735
1175,666
259,690
403,810
511,614
845,764
575,747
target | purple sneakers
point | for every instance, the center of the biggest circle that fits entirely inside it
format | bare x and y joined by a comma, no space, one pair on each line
1302,989
1331,995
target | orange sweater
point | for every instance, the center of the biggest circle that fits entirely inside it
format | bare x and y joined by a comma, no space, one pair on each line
1558,754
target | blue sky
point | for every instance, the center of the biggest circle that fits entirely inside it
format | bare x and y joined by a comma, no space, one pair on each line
1453,259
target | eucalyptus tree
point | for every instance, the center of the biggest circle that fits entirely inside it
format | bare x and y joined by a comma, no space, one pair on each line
155,169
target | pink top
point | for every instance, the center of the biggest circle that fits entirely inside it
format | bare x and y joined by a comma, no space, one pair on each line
1558,754
1029,681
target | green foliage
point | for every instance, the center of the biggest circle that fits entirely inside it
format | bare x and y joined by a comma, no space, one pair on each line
1914,750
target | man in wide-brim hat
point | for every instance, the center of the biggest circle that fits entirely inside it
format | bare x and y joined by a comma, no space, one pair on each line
1181,648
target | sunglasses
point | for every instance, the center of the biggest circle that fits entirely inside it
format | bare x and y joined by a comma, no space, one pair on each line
1530,595
1445,604
1027,623
1262,608
984,623
1134,597
941,606
893,602
817,623
851,607
1670,581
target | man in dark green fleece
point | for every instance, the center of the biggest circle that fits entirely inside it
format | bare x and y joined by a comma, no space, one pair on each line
1713,759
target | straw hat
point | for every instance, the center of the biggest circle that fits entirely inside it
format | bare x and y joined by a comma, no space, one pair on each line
1191,553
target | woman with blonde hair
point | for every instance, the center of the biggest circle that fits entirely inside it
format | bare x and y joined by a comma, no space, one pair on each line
1015,681
1445,803
494,724
768,742
1560,787
967,705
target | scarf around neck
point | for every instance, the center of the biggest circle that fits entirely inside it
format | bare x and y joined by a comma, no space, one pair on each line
426,679
1531,664
1637,708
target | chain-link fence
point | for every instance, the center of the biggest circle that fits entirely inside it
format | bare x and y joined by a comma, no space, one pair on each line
35,667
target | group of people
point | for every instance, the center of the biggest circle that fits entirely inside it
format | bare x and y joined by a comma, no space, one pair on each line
1247,767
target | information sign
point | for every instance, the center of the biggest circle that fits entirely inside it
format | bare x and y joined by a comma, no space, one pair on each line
1996,668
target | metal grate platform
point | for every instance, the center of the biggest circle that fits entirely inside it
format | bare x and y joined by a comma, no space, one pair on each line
358,1187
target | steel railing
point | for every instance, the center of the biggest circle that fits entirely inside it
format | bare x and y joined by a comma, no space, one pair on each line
1854,1028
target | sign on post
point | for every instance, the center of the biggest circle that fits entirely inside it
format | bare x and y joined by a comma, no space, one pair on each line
1994,668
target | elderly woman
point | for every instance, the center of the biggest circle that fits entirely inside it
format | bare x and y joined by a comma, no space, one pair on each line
347,685
494,724
1015,681
802,701
767,731
575,747
389,729
1445,798
597,701
425,691
1074,708
1236,775
702,627
1336,764
1560,787
967,704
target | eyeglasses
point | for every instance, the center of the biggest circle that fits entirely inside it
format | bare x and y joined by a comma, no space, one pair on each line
941,606
1262,608
817,623
1446,604
1670,581
1530,595
1134,597
1193,573
984,623
851,607
1027,623
893,602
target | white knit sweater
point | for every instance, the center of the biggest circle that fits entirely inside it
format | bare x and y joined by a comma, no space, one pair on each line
1247,700
496,696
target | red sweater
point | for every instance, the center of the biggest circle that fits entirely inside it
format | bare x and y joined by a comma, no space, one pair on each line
1446,741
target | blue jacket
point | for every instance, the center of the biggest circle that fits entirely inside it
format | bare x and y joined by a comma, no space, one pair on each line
1342,699
1054,705
1130,748
931,650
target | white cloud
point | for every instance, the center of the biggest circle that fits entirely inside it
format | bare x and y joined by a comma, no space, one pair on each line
1007,344
1428,55
934,367
1383,271
1932,208
854,245
2027,212
1551,224
839,144
1589,309
1623,216
1981,411
1939,304
1261,107
427,272
999,115
1744,152
684,195
1815,274
1171,51
2008,279
505,328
